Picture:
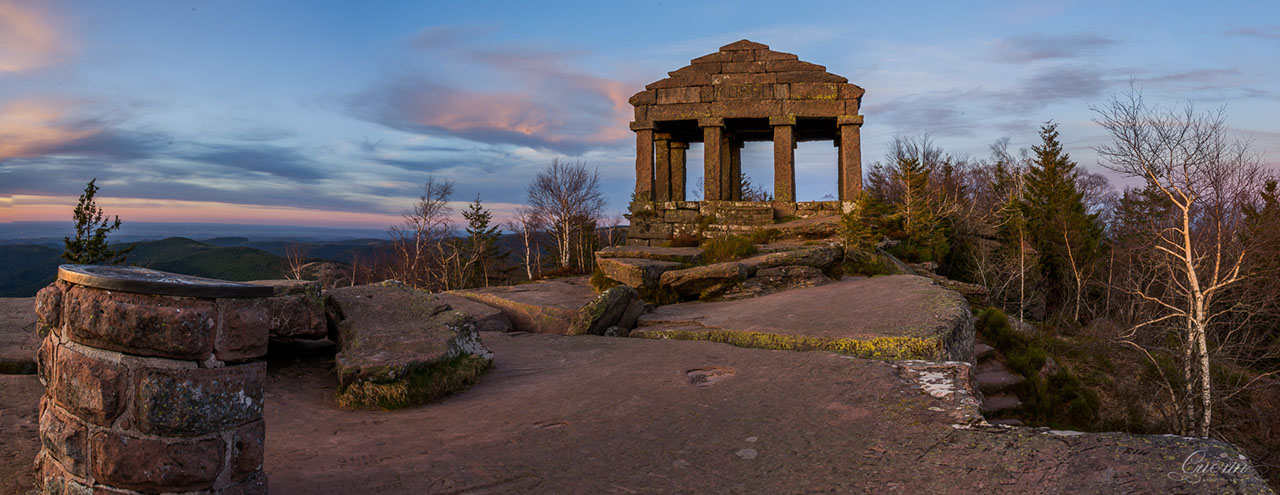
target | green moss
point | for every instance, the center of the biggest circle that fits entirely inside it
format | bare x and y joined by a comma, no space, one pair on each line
421,386
893,348
658,296
765,236
727,248
601,282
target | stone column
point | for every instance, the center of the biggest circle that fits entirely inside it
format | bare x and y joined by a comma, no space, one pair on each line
850,156
644,160
784,158
713,154
154,383
734,178
662,164
678,174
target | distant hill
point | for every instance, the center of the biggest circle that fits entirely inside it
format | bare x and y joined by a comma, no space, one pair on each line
25,268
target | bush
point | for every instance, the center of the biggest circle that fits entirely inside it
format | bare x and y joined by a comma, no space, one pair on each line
727,248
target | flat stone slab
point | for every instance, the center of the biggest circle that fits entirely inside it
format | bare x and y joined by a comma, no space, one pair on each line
675,254
608,415
18,337
636,272
549,306
147,281
488,318
386,332
891,317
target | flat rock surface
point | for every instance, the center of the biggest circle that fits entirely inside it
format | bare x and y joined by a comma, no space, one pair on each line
852,308
384,332
488,318
18,339
611,415
675,254
19,431
548,306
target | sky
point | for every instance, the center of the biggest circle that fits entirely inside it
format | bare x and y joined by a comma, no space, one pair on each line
324,113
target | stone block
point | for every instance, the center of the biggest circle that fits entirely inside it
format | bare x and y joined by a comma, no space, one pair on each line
744,78
706,67
243,332
198,401
647,97
649,231
783,209
792,65
813,91
781,91
809,76
151,465
636,272
705,281
255,485
679,95
92,389
142,324
712,57
677,82
772,55
754,66
247,448
65,439
46,359
813,108
850,91
678,111
680,216
743,45
49,308
296,310
745,108
604,311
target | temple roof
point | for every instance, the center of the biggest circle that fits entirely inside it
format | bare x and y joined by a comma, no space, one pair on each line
745,79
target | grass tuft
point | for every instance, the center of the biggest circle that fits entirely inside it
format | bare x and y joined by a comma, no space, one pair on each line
420,387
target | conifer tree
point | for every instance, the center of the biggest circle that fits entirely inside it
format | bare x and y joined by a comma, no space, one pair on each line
914,211
482,239
92,226
1066,236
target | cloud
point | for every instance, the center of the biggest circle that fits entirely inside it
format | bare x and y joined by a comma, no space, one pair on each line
1267,33
514,95
27,38
34,127
282,162
1036,47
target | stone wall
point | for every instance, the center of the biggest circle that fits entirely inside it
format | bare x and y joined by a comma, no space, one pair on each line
655,223
149,393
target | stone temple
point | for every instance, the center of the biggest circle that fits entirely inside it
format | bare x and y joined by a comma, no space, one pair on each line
743,92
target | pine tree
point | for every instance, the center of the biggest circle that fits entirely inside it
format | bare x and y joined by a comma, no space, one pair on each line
482,239
92,226
914,212
1067,237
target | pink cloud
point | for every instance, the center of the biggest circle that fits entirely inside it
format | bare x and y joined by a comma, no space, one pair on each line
27,38
33,127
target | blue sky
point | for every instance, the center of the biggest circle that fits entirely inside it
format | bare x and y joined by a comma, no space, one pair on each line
332,113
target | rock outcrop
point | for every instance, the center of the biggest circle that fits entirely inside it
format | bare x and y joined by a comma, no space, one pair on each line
893,317
550,306
399,346
296,309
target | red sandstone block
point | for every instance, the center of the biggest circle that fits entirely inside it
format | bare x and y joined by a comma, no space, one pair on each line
744,78
745,108
65,440
756,66
46,356
813,108
809,76
706,67
297,316
49,308
679,95
678,111
196,401
792,65
145,464
247,450
244,330
772,55
850,91
676,82
710,58
91,389
813,91
647,97
143,324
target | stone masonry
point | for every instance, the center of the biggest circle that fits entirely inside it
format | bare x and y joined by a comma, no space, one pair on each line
150,393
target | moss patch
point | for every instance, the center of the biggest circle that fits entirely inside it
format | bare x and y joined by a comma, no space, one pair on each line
420,387
727,248
892,348
601,282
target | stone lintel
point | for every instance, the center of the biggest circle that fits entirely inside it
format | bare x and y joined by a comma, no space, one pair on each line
710,122
680,145
638,126
661,136
849,120
782,120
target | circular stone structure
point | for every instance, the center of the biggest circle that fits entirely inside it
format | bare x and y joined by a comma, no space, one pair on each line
153,383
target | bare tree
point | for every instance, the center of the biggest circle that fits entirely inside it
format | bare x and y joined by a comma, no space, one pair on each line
418,241
566,196
527,224
1187,156
296,255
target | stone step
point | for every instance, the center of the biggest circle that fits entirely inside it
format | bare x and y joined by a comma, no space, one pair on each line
1006,421
995,381
674,254
989,365
999,402
983,352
